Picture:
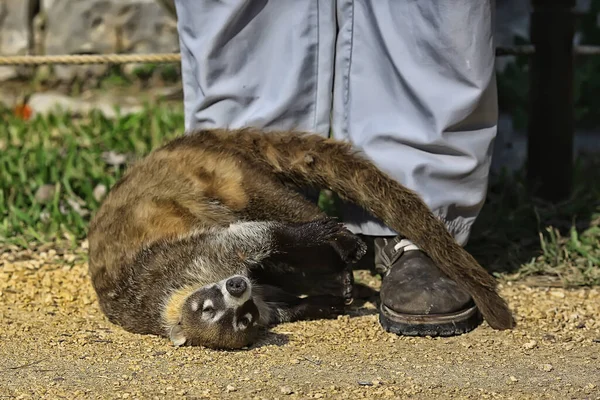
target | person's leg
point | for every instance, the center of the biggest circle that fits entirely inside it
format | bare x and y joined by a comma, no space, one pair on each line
415,90
257,63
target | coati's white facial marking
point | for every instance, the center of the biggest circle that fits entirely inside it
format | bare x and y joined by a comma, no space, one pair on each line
208,304
194,306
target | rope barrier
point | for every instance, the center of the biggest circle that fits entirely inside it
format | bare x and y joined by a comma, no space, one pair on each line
165,58
91,59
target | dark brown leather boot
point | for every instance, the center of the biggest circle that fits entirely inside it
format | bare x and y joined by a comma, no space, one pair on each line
417,299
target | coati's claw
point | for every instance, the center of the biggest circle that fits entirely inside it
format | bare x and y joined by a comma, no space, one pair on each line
348,285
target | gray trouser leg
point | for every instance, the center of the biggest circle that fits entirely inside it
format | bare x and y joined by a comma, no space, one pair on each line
257,63
414,85
415,90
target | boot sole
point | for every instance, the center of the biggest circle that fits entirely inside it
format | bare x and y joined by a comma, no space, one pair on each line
429,325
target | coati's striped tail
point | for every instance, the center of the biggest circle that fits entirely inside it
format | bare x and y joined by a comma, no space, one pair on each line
325,163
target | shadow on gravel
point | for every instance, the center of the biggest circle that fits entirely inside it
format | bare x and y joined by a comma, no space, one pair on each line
363,294
269,338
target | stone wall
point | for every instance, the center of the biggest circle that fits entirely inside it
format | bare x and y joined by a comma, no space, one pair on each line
83,27
137,26
15,32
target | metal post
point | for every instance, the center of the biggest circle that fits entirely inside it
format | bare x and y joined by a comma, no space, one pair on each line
551,125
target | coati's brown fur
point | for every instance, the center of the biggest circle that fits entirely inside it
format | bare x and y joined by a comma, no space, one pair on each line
189,215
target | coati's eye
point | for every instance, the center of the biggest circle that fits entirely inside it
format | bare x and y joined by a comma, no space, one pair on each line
244,321
208,308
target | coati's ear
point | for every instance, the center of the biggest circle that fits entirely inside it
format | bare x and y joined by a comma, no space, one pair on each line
177,336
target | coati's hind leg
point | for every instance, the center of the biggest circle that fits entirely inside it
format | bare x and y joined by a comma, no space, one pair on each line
308,283
286,307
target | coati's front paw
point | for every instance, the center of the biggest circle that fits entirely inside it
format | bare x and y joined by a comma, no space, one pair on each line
323,232
349,246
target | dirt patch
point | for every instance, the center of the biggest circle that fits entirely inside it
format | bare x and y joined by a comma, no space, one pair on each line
54,343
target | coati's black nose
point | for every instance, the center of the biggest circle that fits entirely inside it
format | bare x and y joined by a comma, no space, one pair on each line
236,286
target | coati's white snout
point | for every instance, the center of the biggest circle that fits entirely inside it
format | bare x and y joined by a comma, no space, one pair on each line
236,290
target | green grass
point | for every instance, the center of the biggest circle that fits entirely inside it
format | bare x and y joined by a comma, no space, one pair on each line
519,236
515,236
67,153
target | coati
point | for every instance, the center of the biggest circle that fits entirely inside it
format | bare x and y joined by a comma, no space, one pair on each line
206,239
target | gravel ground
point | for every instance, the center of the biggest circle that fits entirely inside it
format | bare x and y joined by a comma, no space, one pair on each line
55,343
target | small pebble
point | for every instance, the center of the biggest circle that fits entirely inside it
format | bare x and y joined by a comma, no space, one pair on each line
230,388
99,192
286,390
45,193
530,345
547,367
